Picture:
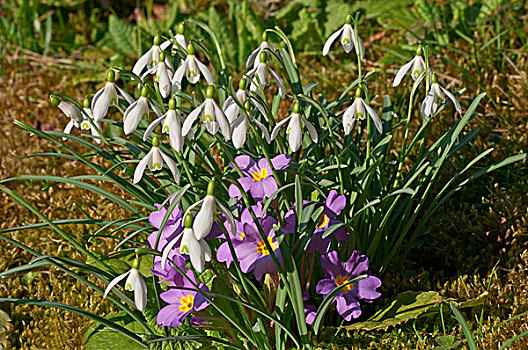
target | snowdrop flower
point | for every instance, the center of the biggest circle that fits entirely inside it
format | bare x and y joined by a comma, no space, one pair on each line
163,75
172,121
435,97
191,68
232,109
203,221
416,65
357,111
239,127
295,128
348,37
154,159
107,96
151,57
260,75
197,249
133,283
136,111
77,119
254,57
211,114
179,38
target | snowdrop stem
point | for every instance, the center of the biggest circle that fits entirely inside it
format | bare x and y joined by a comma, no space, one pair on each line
181,160
356,47
369,127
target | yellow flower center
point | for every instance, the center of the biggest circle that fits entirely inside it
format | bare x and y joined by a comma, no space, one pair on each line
242,236
262,249
187,303
260,176
325,220
340,280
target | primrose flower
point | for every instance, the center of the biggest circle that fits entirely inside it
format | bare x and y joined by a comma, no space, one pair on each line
172,121
357,111
151,57
348,37
435,97
259,181
416,65
211,114
260,76
191,68
347,299
107,96
295,128
203,221
133,283
254,57
181,302
154,159
198,250
137,110
78,119
163,75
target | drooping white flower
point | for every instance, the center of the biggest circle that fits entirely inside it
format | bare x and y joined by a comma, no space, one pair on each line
416,65
203,221
179,40
435,97
107,96
260,76
348,38
163,75
172,121
240,125
154,159
191,68
295,128
134,283
77,118
254,57
138,110
197,249
151,57
211,114
358,111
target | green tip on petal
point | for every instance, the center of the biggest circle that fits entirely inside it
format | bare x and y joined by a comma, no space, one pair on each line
110,76
54,100
190,49
86,102
247,105
211,188
265,36
188,220
419,50
358,92
135,263
155,141
296,107
181,28
434,79
348,19
242,83
263,57
209,93
144,91
162,56
172,104
156,40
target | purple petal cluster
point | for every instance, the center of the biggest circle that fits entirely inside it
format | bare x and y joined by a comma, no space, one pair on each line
259,180
347,300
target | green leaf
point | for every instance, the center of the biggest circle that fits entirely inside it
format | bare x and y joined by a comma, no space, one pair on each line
122,34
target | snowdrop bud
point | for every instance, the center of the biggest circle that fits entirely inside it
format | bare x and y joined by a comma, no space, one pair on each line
247,105
348,19
172,104
144,91
86,102
180,29
155,141
156,40
188,221
110,76
210,92
358,92
135,263
54,100
265,36
434,79
211,188
419,50
296,107
242,83
162,56
263,57
190,49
